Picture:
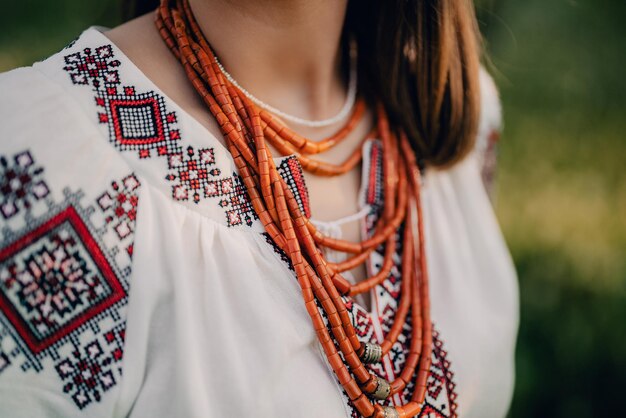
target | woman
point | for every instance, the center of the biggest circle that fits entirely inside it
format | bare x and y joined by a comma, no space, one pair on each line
255,209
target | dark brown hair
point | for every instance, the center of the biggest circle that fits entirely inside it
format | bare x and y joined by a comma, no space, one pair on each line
421,59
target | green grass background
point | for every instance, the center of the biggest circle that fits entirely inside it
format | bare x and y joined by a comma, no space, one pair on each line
561,185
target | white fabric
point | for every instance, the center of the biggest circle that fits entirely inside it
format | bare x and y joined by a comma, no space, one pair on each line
215,324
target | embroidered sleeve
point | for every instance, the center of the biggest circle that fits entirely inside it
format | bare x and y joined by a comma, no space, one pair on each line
67,222
64,280
489,131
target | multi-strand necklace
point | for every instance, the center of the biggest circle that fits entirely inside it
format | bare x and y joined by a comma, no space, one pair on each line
248,129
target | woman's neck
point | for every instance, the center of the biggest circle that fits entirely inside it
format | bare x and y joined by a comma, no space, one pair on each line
285,52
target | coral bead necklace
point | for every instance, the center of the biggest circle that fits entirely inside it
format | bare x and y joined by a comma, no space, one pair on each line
248,129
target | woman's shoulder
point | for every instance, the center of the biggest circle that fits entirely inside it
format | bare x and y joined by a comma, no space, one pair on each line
30,101
20,86
46,113
39,108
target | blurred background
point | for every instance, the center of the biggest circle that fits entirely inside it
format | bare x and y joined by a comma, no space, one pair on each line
561,182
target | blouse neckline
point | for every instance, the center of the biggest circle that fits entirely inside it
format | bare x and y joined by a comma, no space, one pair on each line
200,130
370,189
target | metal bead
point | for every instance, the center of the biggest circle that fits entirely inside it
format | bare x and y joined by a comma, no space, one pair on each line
383,389
372,353
391,412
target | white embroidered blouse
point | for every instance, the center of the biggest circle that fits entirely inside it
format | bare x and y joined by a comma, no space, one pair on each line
136,280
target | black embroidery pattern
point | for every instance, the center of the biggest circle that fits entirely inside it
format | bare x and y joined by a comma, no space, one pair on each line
283,256
93,368
21,184
119,206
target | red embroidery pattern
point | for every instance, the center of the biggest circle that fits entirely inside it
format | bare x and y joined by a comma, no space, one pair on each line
93,67
442,380
291,171
140,122
361,319
53,278
64,287
193,174
120,208
93,368
20,184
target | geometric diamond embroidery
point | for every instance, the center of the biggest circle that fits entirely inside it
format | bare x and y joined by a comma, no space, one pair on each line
93,66
20,184
235,199
53,278
92,369
441,386
138,121
191,172
120,207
